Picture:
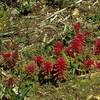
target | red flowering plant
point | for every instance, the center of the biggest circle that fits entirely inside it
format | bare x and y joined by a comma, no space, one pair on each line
88,63
46,67
58,47
45,71
10,58
38,59
59,69
31,69
76,45
6,56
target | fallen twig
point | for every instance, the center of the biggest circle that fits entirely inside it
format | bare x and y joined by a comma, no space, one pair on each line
54,14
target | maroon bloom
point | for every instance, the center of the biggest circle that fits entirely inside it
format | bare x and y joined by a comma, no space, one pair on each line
6,56
88,63
10,82
46,67
38,59
58,47
31,69
10,58
77,27
97,46
60,68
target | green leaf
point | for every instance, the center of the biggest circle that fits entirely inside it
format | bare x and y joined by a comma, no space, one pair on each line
24,93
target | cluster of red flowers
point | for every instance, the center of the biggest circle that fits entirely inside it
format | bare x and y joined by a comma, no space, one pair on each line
56,70
48,69
76,45
10,58
31,69
90,63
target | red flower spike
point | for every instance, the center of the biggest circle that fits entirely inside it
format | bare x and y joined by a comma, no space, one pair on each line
31,69
88,63
98,65
58,47
47,67
6,55
61,61
77,27
59,68
97,46
76,45
38,59
10,58
10,82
